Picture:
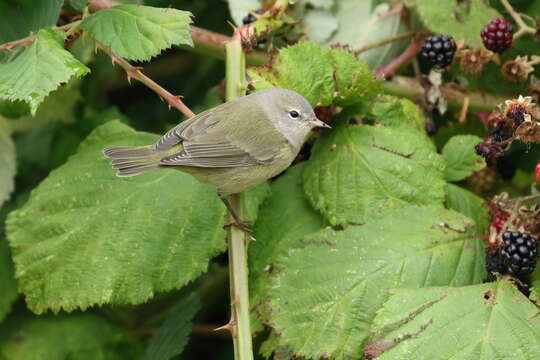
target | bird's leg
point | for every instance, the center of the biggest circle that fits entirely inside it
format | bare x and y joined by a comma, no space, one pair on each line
238,223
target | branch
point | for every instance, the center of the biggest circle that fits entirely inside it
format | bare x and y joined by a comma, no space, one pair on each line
409,53
29,39
135,73
412,89
523,28
385,42
239,325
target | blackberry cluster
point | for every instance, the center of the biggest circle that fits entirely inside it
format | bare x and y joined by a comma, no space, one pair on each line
497,35
439,50
518,253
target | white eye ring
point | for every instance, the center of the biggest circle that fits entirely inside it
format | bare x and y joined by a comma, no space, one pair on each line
294,114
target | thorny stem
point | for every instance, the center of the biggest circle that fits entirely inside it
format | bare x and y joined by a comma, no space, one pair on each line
239,325
29,39
385,42
136,73
523,28
409,53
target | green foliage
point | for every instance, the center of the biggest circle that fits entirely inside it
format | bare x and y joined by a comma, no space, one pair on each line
323,76
358,173
8,285
482,322
326,295
19,18
462,19
288,207
86,237
38,70
461,160
7,161
398,113
139,32
468,204
76,336
78,5
173,335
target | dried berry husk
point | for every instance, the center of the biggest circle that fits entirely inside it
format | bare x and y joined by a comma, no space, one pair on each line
517,70
472,61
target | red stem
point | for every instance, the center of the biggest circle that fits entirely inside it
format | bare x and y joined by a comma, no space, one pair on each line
409,53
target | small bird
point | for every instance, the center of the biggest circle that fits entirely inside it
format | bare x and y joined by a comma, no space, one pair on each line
233,146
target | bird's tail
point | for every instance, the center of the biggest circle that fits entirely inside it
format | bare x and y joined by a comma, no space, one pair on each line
132,160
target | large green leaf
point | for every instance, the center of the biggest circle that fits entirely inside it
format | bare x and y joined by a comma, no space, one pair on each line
362,23
462,19
358,172
86,237
483,322
76,336
8,285
284,220
173,335
325,296
323,76
18,18
470,205
38,70
7,161
139,32
461,160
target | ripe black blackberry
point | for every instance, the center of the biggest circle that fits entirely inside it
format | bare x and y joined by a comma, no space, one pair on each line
250,18
518,253
497,35
439,50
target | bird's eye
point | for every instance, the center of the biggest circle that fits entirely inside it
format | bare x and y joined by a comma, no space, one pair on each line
294,114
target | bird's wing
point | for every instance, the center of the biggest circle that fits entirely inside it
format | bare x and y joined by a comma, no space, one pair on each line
223,137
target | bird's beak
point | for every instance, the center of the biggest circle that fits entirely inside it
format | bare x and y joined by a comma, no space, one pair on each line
319,123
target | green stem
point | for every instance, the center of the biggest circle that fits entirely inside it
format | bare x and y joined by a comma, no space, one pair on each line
235,85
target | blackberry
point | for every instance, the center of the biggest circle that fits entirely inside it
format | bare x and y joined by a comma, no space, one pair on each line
439,50
518,253
499,134
497,35
430,127
250,18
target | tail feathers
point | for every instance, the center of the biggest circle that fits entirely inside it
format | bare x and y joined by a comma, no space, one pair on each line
128,152
131,161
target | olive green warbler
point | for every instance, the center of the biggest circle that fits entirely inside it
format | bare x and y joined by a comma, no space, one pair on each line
233,146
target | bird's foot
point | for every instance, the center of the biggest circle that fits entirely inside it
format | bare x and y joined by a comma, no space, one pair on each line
242,225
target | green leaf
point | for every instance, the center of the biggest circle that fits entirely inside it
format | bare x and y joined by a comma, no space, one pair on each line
19,18
470,205
253,199
173,335
326,295
78,5
38,70
398,113
462,19
482,322
461,160
363,22
284,220
319,25
86,237
240,8
138,32
7,161
76,336
323,76
8,285
357,173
